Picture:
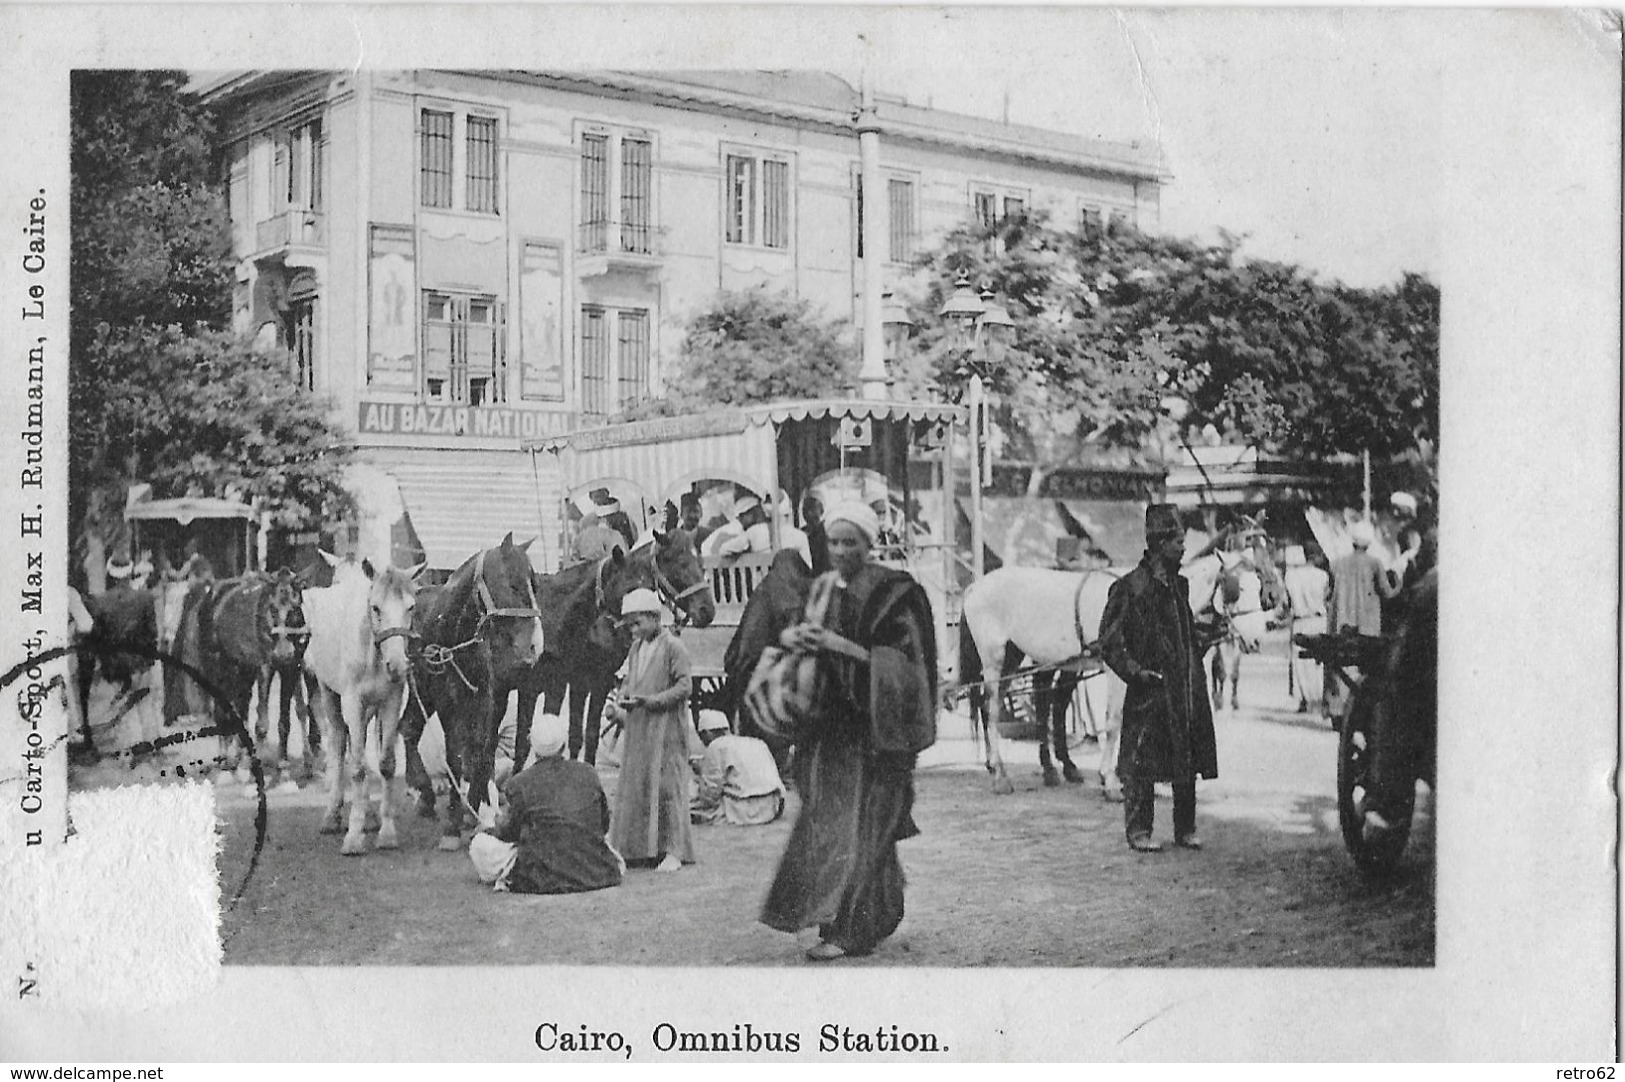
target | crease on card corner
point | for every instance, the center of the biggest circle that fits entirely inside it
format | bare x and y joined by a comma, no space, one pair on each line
126,913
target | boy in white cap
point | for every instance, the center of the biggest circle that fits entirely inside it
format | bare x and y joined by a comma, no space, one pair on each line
738,781
651,821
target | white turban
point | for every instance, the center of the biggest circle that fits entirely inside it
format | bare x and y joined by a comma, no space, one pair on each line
1362,534
858,514
548,733
712,721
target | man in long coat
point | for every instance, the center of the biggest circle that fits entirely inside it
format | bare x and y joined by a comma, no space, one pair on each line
1148,637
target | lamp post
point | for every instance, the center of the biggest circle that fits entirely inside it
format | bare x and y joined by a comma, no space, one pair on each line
896,327
984,328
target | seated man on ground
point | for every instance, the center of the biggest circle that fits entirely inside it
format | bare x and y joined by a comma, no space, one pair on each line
549,835
738,780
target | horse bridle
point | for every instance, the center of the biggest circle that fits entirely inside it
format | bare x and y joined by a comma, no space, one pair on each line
437,657
671,595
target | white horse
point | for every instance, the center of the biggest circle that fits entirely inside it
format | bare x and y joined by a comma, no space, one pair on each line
359,628
1052,618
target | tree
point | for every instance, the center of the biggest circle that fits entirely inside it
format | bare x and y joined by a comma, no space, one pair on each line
756,346
1110,321
151,237
159,391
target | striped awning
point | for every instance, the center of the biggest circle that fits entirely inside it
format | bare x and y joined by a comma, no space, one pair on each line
662,470
661,457
463,501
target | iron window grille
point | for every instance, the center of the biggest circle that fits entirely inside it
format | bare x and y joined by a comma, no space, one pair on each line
435,167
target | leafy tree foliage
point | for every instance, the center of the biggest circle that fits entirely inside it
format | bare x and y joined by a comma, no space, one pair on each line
159,390
151,236
757,346
1109,322
205,413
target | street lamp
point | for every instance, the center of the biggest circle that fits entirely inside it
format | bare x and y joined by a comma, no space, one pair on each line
896,325
985,329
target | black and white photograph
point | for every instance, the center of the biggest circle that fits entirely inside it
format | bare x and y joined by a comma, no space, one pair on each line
1106,515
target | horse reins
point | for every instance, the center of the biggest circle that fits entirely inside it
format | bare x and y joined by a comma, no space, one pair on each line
438,657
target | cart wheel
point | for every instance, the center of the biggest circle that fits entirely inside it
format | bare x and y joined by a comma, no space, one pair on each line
1377,855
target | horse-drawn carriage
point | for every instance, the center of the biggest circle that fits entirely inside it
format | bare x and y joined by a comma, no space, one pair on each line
893,455
1387,733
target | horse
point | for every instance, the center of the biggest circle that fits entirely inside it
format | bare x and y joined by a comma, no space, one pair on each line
585,648
477,636
252,630
359,629
1051,618
1249,591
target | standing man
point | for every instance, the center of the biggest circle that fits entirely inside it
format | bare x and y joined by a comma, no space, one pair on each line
1360,586
126,616
1148,637
1306,588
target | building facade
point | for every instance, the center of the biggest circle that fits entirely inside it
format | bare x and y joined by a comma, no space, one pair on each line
462,261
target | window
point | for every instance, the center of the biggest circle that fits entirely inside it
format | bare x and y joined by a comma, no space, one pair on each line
758,200
776,204
594,192
614,375
632,357
617,170
987,210
436,166
900,203
899,217
992,208
296,168
452,145
464,359
1090,219
482,164
636,162
594,360
741,200
299,331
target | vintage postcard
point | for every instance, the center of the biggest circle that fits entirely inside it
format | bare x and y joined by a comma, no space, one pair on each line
618,533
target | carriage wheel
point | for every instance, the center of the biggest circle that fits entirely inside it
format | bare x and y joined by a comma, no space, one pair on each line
1381,854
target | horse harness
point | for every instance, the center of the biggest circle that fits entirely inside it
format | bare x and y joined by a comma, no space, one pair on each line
437,657
670,595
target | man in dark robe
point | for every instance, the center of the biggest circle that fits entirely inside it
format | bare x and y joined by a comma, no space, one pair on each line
1149,638
557,815
855,767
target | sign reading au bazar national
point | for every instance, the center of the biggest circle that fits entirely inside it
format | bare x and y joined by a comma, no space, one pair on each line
475,422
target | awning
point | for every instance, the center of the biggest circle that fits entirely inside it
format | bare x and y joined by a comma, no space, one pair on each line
662,456
187,508
662,470
463,501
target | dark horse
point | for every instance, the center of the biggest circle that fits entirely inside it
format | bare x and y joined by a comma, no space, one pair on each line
476,639
241,632
584,647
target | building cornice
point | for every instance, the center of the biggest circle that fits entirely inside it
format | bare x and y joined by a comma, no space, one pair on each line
890,119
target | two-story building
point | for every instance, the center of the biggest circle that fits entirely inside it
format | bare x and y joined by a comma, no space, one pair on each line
461,261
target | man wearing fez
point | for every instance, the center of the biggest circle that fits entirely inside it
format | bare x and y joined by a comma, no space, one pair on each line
1148,637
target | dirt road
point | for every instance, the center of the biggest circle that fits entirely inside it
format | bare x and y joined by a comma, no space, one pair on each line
1041,877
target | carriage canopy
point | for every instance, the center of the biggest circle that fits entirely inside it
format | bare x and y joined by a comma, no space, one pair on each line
778,447
226,532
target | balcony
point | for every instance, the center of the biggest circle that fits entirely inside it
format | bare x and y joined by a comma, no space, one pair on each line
295,227
617,248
